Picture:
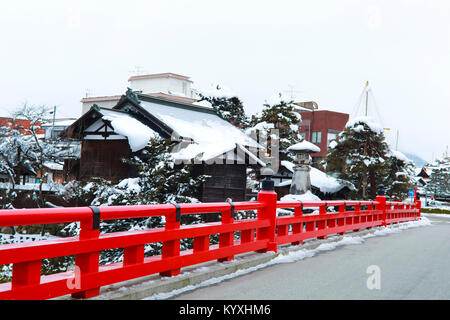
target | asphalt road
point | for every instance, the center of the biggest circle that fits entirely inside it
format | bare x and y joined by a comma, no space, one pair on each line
412,264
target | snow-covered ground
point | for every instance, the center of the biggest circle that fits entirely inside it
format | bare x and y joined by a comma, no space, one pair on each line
294,256
436,215
53,186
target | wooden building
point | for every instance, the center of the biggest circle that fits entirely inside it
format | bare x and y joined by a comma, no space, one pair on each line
213,145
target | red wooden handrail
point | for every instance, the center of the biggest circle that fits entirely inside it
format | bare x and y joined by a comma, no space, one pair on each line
271,231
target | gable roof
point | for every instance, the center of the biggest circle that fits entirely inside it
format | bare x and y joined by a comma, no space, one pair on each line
210,135
77,129
204,134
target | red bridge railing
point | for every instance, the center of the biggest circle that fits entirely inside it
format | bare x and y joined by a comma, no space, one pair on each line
265,233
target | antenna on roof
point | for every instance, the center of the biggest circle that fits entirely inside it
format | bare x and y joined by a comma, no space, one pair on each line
138,71
291,91
88,92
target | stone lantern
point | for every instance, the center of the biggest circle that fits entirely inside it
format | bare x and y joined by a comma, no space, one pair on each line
301,181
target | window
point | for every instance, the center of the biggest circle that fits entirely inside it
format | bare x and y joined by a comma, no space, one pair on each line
56,133
331,137
316,137
31,179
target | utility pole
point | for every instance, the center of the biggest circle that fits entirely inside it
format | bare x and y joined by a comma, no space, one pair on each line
364,182
396,142
53,124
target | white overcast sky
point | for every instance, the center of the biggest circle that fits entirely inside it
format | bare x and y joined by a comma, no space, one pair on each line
52,52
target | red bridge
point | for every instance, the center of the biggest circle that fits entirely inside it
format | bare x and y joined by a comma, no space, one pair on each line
265,233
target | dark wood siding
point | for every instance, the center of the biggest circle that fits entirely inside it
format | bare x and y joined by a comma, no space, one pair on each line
227,181
102,158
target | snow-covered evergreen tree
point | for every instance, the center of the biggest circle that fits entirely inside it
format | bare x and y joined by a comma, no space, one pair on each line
23,152
278,113
439,182
359,156
400,172
227,105
15,152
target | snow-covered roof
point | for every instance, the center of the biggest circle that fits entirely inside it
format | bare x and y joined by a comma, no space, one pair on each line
59,123
417,170
212,136
136,132
319,179
304,146
54,165
203,103
262,126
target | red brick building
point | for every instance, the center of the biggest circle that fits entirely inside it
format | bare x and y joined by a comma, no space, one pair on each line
19,124
321,127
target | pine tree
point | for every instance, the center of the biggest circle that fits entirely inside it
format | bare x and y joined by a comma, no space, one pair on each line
398,181
23,152
229,108
439,182
279,113
359,156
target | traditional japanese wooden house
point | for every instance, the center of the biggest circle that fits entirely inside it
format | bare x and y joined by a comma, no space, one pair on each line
213,145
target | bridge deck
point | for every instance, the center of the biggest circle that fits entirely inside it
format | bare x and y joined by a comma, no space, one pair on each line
413,265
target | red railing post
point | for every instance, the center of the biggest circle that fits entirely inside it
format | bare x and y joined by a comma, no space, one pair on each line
268,196
201,244
418,205
370,216
226,239
356,220
381,205
341,221
26,274
171,248
322,224
297,227
133,255
88,262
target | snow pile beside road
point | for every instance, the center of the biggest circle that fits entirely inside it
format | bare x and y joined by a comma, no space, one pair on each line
436,215
295,256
